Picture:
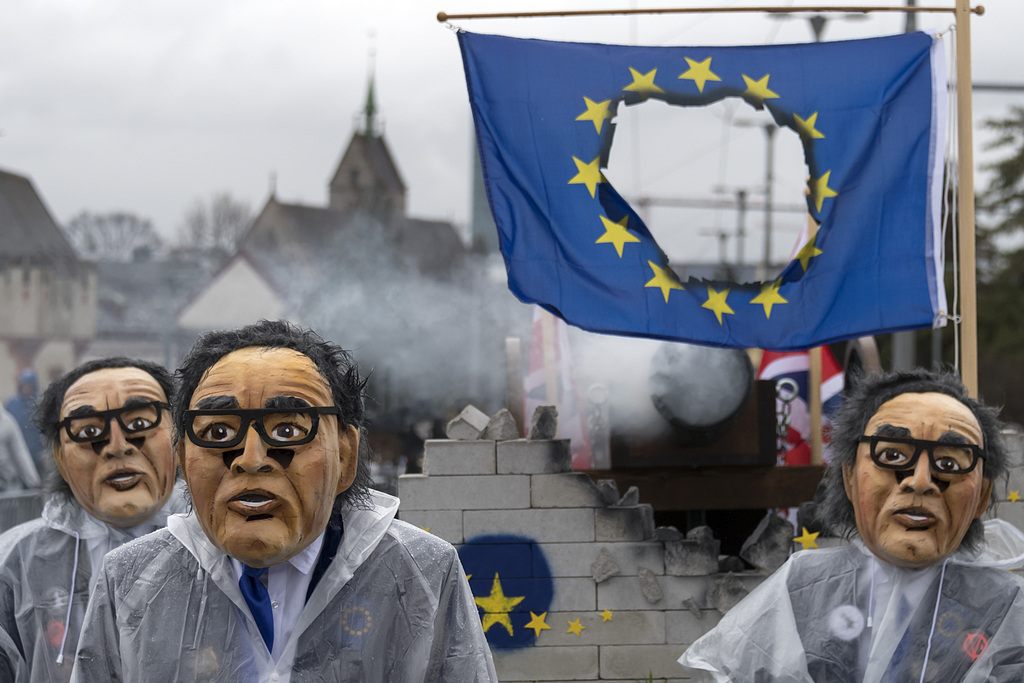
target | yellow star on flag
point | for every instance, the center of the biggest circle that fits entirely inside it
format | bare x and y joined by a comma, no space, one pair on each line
537,623
596,112
809,250
606,615
822,191
699,72
758,90
575,627
617,234
496,607
663,278
1014,496
643,83
588,174
806,539
716,302
806,126
769,296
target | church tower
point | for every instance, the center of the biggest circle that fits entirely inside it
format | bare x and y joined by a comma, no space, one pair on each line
367,178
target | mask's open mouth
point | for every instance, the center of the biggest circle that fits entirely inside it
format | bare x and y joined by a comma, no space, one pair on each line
915,518
123,480
254,505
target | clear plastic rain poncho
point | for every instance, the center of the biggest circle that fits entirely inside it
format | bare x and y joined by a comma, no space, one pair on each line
841,615
45,577
394,605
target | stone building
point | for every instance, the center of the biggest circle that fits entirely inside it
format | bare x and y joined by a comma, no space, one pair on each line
47,295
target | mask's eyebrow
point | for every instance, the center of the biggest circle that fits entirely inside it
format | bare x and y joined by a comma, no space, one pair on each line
955,438
892,430
286,402
134,401
81,411
217,403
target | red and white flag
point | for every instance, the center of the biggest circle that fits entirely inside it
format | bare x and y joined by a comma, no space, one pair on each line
795,366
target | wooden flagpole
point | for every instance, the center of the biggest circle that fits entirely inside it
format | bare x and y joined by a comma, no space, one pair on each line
965,201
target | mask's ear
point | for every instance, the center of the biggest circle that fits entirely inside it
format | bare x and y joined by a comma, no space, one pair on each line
848,481
985,498
181,456
348,453
58,458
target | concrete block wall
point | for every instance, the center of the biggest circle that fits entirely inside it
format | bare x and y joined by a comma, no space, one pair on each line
600,599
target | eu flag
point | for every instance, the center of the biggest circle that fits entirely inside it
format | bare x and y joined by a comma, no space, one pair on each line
870,116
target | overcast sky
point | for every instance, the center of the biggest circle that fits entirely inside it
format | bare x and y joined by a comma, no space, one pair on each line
146,106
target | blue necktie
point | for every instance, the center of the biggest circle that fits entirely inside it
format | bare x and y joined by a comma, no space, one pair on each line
258,599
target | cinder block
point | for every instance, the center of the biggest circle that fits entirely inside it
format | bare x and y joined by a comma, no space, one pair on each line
623,628
446,524
634,523
574,559
567,490
633,662
422,492
444,456
520,456
566,525
547,664
574,595
624,592
683,627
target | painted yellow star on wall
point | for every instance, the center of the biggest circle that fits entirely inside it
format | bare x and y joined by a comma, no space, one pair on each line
806,126
606,615
643,83
758,90
576,627
699,72
496,607
1014,496
809,250
597,112
807,539
716,302
663,278
537,623
769,296
617,234
822,191
588,174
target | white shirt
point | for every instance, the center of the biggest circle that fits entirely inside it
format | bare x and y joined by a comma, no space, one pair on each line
287,584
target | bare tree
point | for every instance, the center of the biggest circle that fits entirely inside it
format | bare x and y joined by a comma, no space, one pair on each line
215,224
113,236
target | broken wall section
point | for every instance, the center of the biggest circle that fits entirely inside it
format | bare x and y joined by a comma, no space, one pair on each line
574,581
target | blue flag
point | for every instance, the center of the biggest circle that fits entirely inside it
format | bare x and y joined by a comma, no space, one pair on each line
870,116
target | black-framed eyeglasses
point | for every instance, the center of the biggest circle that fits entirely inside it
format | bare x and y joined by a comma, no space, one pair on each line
898,453
280,427
95,426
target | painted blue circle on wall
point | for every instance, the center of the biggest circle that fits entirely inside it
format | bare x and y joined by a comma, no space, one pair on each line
510,578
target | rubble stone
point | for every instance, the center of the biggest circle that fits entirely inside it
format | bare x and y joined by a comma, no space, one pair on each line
604,567
725,592
502,427
767,548
544,423
649,586
630,498
467,425
697,555
609,491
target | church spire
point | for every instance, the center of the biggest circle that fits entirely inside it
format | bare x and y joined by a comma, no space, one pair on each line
370,110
